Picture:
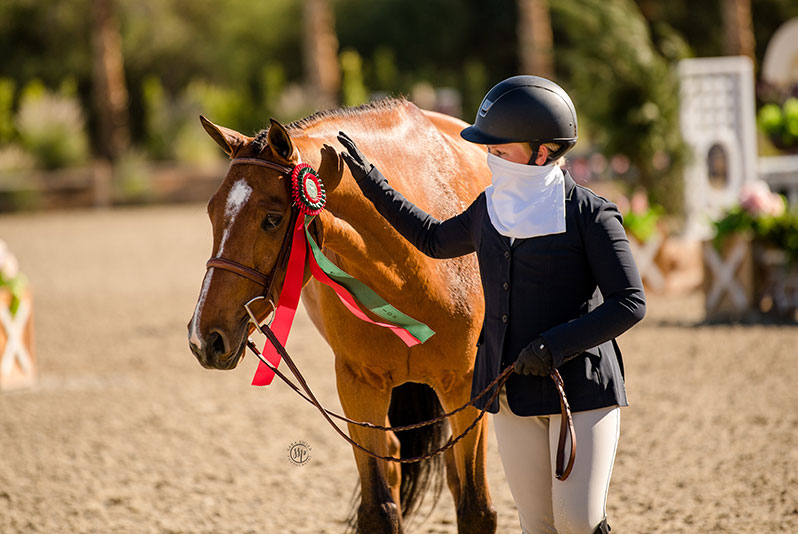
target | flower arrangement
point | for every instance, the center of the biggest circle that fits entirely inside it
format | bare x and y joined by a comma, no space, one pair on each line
763,216
10,277
640,219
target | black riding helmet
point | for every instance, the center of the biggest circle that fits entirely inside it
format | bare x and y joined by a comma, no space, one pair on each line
525,109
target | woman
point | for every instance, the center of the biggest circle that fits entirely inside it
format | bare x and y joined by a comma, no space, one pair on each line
559,283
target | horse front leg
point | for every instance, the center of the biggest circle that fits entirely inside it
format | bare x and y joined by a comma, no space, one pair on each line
475,511
365,396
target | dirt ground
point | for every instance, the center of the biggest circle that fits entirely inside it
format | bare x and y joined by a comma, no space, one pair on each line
126,433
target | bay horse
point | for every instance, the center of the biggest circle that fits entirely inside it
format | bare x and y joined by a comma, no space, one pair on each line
379,379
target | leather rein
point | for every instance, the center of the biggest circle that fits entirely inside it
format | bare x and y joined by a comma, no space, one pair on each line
267,281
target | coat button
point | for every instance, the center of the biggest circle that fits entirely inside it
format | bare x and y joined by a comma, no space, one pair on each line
507,254
504,318
506,286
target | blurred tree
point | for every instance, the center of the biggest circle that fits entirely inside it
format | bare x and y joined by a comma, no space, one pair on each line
535,40
109,90
254,50
697,22
432,41
738,31
320,51
625,88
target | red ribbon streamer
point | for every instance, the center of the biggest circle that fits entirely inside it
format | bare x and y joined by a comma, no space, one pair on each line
286,309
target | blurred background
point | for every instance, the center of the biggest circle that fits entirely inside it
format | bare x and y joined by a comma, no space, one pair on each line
688,121
111,89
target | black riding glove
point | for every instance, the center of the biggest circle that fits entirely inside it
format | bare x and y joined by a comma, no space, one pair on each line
535,359
358,165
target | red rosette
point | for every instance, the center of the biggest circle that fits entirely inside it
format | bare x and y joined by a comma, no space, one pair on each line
307,190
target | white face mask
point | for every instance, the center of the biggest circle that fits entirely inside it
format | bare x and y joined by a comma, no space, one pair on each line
525,200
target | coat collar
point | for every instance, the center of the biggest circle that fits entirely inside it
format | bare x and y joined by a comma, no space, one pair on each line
570,185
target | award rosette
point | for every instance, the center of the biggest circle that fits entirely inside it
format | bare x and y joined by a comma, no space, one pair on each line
307,190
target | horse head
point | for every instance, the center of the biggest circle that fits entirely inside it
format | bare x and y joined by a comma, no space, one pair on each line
251,214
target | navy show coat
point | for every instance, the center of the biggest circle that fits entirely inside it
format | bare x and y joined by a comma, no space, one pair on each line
578,289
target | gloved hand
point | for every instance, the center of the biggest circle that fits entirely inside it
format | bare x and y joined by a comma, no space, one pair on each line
358,165
535,359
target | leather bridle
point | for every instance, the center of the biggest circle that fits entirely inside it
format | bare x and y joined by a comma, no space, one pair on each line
265,280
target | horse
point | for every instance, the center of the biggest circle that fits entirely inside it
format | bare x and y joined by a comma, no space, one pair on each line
379,379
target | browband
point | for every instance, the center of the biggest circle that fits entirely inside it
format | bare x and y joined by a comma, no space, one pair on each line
263,163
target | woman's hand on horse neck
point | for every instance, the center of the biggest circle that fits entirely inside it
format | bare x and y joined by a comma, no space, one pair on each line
358,164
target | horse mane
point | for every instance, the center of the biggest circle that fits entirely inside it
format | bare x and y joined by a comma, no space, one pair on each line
383,104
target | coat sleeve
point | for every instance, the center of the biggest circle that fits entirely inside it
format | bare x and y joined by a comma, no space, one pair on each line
613,267
437,239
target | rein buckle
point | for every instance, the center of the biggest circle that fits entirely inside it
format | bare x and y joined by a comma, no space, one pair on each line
253,319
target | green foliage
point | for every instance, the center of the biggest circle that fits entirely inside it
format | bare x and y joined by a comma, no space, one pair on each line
158,118
643,225
172,125
352,88
16,286
780,123
131,177
52,128
735,221
225,105
386,74
779,231
10,278
272,82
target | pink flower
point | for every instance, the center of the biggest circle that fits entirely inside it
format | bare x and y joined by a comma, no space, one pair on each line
9,268
639,202
623,204
757,199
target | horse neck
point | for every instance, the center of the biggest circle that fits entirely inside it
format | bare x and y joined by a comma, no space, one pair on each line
359,236
365,245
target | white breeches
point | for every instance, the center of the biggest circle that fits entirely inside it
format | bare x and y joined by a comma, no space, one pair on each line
528,448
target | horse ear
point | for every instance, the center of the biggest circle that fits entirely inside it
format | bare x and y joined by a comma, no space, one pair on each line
331,168
229,140
279,141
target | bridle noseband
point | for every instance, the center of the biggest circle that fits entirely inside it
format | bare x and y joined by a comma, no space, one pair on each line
262,279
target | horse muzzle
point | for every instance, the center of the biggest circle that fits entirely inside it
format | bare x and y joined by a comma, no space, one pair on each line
218,351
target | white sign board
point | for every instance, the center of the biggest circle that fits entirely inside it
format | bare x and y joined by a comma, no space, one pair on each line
718,123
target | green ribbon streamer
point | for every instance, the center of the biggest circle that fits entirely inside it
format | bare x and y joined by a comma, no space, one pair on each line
365,295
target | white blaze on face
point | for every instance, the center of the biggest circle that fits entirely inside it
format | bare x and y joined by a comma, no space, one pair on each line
236,199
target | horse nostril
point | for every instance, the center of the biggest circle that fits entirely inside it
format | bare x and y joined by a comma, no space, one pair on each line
216,343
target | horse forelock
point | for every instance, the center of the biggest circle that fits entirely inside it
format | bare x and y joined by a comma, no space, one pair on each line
259,143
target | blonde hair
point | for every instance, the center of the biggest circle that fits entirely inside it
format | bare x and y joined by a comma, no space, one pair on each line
554,147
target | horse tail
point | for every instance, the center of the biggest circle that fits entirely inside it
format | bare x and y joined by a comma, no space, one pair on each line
413,403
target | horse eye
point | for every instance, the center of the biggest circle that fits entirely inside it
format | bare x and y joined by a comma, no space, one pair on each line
272,221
